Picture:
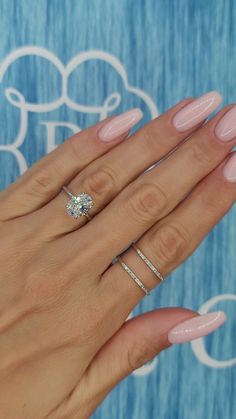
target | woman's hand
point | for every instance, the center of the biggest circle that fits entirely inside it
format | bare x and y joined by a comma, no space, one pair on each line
63,304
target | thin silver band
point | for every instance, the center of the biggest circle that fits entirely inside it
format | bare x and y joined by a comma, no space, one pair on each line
148,262
133,276
66,190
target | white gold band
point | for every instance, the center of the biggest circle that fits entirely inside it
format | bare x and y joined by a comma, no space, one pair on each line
148,262
133,276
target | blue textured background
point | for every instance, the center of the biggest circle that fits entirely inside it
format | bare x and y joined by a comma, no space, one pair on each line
170,49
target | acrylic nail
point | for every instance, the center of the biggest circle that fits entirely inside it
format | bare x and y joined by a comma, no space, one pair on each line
196,327
225,130
196,111
229,170
119,125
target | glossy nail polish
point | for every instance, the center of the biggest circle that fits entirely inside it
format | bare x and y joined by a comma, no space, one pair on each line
196,111
229,170
119,125
225,130
196,327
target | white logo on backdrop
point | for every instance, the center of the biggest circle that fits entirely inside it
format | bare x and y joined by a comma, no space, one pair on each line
17,99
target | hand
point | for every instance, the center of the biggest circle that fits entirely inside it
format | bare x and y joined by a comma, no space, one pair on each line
64,342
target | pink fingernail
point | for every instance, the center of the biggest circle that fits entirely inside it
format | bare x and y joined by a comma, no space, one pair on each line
120,124
196,327
229,170
225,130
196,111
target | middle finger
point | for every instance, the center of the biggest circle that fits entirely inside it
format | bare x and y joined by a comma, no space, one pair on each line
104,178
157,192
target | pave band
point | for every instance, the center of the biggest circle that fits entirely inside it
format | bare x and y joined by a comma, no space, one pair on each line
79,205
133,276
148,262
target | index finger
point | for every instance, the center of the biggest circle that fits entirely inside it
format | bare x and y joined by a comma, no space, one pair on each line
45,178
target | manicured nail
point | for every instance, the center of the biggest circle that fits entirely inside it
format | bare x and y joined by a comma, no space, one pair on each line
225,130
120,124
196,111
229,170
196,327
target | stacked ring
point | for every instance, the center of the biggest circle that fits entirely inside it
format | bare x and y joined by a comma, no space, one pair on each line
79,205
148,263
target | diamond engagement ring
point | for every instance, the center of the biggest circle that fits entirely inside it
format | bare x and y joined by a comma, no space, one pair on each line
79,205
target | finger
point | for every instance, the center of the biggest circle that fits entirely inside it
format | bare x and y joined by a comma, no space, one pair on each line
138,341
45,179
172,240
104,178
157,192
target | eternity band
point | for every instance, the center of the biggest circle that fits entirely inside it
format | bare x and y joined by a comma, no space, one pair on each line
133,276
148,262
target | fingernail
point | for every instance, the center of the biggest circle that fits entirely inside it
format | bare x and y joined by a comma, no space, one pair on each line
196,327
120,124
225,130
196,111
229,170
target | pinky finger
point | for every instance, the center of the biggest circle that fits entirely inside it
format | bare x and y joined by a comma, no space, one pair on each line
138,341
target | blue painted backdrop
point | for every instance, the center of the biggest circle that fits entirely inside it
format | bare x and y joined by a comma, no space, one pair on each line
66,64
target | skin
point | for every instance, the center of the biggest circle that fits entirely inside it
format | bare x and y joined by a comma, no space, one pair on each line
64,342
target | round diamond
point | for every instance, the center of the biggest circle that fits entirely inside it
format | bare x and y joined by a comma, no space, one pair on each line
79,205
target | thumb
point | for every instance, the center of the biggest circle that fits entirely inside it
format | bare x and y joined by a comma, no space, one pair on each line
138,341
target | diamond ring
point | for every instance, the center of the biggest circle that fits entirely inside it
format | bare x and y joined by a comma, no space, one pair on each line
79,205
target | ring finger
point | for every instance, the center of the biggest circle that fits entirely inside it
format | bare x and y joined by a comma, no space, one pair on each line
173,239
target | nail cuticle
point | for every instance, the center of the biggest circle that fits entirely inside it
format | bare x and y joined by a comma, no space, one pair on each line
229,169
225,129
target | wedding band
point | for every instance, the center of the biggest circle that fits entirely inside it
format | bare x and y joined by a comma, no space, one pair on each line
79,205
133,276
148,262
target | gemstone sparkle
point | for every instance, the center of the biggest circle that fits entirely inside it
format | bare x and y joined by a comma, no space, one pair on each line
79,205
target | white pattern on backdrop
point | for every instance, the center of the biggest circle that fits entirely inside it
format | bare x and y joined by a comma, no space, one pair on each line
16,98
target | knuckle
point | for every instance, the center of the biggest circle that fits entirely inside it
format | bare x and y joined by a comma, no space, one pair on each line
139,354
169,243
73,148
211,203
41,184
102,182
151,136
198,153
147,202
